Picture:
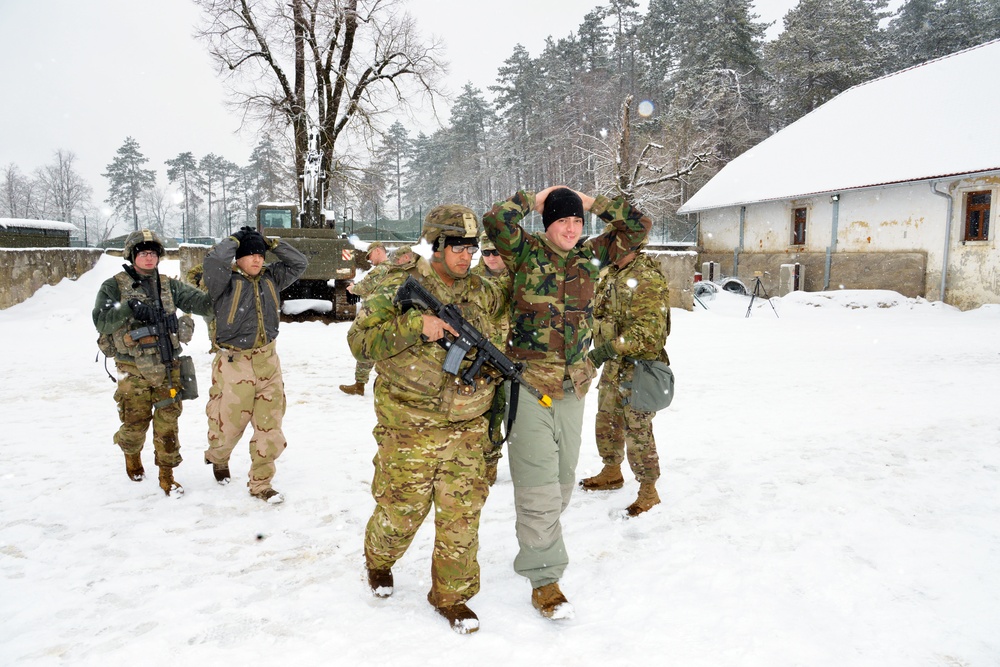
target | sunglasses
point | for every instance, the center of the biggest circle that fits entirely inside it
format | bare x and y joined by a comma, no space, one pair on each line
490,253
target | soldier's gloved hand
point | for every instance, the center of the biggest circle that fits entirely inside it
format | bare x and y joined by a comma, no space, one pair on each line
241,233
141,311
601,354
272,242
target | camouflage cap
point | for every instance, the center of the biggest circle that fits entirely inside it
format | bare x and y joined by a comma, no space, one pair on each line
485,243
141,237
375,245
450,220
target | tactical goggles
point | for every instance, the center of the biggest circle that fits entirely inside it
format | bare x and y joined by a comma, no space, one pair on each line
460,244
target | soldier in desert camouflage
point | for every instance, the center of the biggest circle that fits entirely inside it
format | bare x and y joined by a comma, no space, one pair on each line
631,321
430,427
247,385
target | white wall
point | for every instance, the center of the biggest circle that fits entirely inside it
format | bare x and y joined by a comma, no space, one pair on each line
904,217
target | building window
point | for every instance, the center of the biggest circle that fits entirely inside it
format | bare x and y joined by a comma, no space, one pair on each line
977,216
799,226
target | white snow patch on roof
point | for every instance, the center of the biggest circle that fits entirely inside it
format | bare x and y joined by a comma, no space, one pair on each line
932,120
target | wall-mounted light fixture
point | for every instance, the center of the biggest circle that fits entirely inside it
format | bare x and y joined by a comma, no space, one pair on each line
834,198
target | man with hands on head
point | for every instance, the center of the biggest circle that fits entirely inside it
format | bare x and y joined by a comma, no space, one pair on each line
552,290
247,386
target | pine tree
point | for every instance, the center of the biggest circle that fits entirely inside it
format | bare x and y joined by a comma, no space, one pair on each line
827,46
127,179
183,170
392,156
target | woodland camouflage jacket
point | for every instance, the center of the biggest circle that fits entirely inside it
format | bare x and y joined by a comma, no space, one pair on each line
632,310
553,290
412,389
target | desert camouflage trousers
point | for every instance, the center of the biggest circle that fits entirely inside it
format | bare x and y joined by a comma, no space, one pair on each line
247,389
414,470
135,397
362,370
620,430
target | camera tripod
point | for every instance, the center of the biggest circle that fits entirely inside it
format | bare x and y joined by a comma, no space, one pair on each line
758,291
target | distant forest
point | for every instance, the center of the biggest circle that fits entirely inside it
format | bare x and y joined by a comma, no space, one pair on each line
703,85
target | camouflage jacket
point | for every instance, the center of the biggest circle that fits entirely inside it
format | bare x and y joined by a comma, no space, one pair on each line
500,326
552,291
412,389
632,311
364,287
113,317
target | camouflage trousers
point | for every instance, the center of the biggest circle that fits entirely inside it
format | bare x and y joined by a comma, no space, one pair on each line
247,388
620,430
415,469
362,370
135,397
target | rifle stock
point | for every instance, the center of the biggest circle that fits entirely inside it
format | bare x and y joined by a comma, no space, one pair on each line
412,294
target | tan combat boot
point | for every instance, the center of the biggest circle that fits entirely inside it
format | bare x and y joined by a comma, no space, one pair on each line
133,467
648,498
462,619
609,479
356,389
168,484
551,603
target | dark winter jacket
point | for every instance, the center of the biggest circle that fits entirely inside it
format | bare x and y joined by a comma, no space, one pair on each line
244,304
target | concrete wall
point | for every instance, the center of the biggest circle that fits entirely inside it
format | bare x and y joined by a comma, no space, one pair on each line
679,267
880,232
23,272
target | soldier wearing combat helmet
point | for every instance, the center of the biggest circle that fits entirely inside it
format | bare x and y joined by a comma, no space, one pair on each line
146,392
430,426
491,267
631,321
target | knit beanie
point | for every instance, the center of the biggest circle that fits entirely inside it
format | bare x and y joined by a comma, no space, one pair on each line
559,204
252,244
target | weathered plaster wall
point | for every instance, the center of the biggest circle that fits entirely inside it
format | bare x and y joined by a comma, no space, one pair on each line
883,235
24,271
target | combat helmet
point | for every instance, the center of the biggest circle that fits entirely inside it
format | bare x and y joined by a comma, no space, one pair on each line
450,220
485,243
139,240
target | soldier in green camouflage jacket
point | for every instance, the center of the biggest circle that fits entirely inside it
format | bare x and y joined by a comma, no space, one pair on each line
551,311
430,427
125,304
631,321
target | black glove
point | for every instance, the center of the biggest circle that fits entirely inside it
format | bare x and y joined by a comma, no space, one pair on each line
241,233
601,354
141,311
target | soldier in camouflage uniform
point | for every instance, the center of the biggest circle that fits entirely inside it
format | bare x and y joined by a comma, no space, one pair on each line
126,302
554,277
631,321
491,267
430,426
377,257
247,387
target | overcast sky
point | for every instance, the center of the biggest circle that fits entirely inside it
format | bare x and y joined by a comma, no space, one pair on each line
82,75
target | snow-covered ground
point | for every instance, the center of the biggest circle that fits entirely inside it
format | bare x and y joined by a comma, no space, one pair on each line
831,488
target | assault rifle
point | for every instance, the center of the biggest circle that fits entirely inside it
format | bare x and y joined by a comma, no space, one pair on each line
412,293
159,334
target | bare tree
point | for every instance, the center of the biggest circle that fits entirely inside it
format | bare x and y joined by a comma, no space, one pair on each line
332,64
66,189
157,207
638,179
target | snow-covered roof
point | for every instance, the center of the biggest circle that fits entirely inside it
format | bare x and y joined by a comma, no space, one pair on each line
37,224
932,120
